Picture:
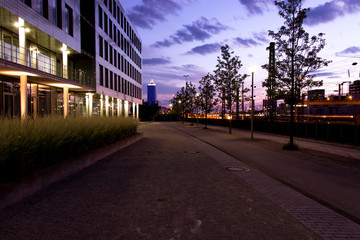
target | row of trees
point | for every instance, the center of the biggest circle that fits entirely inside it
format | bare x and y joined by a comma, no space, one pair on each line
225,81
295,64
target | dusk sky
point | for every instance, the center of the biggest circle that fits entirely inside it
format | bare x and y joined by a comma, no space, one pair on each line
183,37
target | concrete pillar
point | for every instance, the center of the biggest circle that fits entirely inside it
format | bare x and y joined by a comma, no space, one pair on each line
133,110
22,41
35,100
126,109
65,60
23,97
106,106
90,104
137,111
112,107
66,101
101,105
118,108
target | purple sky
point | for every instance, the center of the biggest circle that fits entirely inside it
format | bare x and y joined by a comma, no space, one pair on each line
183,37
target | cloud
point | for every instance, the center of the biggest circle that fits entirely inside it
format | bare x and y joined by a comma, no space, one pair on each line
246,42
199,30
151,12
255,7
156,61
350,50
205,49
331,10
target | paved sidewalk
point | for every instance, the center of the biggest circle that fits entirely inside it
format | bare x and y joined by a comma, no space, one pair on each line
344,150
167,186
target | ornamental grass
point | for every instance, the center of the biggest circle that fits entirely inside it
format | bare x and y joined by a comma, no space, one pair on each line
27,146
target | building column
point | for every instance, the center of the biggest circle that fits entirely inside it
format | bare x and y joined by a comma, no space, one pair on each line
137,111
90,104
22,41
106,106
126,109
66,101
118,108
65,60
134,110
23,97
101,105
35,100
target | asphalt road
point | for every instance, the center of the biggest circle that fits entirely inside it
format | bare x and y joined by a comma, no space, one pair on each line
163,187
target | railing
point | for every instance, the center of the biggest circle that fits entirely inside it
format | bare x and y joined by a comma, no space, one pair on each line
34,59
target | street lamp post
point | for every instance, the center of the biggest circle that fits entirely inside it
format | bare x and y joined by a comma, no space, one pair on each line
252,105
197,108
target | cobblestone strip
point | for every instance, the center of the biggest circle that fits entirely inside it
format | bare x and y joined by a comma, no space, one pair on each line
321,220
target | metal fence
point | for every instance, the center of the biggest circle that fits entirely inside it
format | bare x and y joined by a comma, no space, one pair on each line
338,133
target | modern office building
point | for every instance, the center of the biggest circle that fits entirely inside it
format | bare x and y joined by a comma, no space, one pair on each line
151,92
68,57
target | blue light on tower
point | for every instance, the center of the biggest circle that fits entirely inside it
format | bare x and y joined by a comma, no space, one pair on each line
151,92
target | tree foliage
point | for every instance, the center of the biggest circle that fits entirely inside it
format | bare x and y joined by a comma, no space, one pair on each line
296,53
296,57
207,93
227,78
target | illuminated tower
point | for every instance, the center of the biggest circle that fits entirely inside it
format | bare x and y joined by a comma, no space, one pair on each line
151,92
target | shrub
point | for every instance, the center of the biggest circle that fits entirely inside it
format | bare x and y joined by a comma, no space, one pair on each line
38,143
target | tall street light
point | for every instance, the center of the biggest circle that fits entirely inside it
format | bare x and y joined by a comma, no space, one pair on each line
252,69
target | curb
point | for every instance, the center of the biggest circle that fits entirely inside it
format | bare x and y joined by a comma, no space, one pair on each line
16,191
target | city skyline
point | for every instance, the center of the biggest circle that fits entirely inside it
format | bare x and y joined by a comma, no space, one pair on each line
184,38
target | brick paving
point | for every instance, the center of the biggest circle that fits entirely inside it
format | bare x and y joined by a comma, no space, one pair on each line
321,220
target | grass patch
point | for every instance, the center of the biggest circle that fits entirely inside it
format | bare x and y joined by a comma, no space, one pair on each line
39,143
291,147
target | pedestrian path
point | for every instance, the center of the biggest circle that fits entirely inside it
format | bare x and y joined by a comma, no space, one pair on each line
163,187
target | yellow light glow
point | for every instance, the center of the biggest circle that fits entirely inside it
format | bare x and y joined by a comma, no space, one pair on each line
62,85
18,73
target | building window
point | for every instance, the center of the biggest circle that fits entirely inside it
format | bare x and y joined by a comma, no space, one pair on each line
110,28
69,20
100,17
27,2
101,75
115,57
105,23
106,77
42,8
106,50
111,80
115,82
110,5
101,47
114,9
111,54
105,2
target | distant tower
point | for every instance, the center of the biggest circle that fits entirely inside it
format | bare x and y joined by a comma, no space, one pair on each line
151,92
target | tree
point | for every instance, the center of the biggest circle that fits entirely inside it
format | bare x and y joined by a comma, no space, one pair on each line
296,55
207,93
228,79
186,99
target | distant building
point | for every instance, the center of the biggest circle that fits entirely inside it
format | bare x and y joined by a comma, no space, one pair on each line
354,90
151,92
318,94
